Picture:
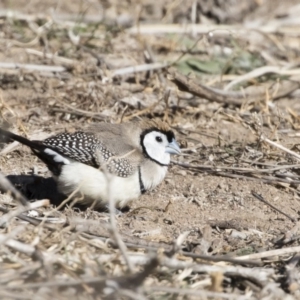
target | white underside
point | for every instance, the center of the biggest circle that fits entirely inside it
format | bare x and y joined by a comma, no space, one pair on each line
152,174
92,185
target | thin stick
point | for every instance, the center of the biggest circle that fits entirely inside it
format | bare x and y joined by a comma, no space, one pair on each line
30,220
16,245
114,229
185,52
142,112
65,20
40,68
192,292
257,274
12,234
256,177
219,258
263,138
270,253
190,85
139,68
87,114
6,186
223,30
21,209
259,72
246,170
81,111
63,60
112,216
187,84
261,198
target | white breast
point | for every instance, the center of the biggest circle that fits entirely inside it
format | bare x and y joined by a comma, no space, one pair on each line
93,184
152,174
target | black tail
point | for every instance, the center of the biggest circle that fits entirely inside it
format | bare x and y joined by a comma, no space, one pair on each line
37,148
7,136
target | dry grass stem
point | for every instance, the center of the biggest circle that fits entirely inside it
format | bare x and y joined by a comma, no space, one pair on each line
18,246
265,254
197,293
274,144
21,209
114,227
262,71
30,67
55,58
7,187
136,69
223,30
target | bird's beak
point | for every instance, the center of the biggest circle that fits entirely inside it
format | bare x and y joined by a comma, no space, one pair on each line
173,148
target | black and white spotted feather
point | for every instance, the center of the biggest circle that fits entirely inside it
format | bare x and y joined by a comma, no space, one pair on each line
86,148
79,146
82,147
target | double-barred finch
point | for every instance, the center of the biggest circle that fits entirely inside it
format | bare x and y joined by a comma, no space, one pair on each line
136,156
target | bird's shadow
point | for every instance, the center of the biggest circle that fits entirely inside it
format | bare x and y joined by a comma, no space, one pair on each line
35,187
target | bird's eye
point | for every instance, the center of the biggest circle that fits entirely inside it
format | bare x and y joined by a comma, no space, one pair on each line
158,139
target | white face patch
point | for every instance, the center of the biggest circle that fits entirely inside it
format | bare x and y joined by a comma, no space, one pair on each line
155,144
57,157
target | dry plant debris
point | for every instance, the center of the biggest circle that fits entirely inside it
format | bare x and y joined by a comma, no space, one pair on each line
225,75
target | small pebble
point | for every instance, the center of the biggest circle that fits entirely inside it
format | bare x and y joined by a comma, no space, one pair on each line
33,214
238,235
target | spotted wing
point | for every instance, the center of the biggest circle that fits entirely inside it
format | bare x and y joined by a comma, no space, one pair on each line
79,146
86,148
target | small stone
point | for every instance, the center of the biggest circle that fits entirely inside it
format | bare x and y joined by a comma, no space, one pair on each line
168,221
32,214
238,235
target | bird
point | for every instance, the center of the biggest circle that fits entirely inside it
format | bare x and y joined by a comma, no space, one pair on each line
106,160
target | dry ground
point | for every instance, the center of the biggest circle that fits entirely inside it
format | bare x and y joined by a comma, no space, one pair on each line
208,198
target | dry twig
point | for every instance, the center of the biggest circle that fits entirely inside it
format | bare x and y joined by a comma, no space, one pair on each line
265,254
235,98
7,187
